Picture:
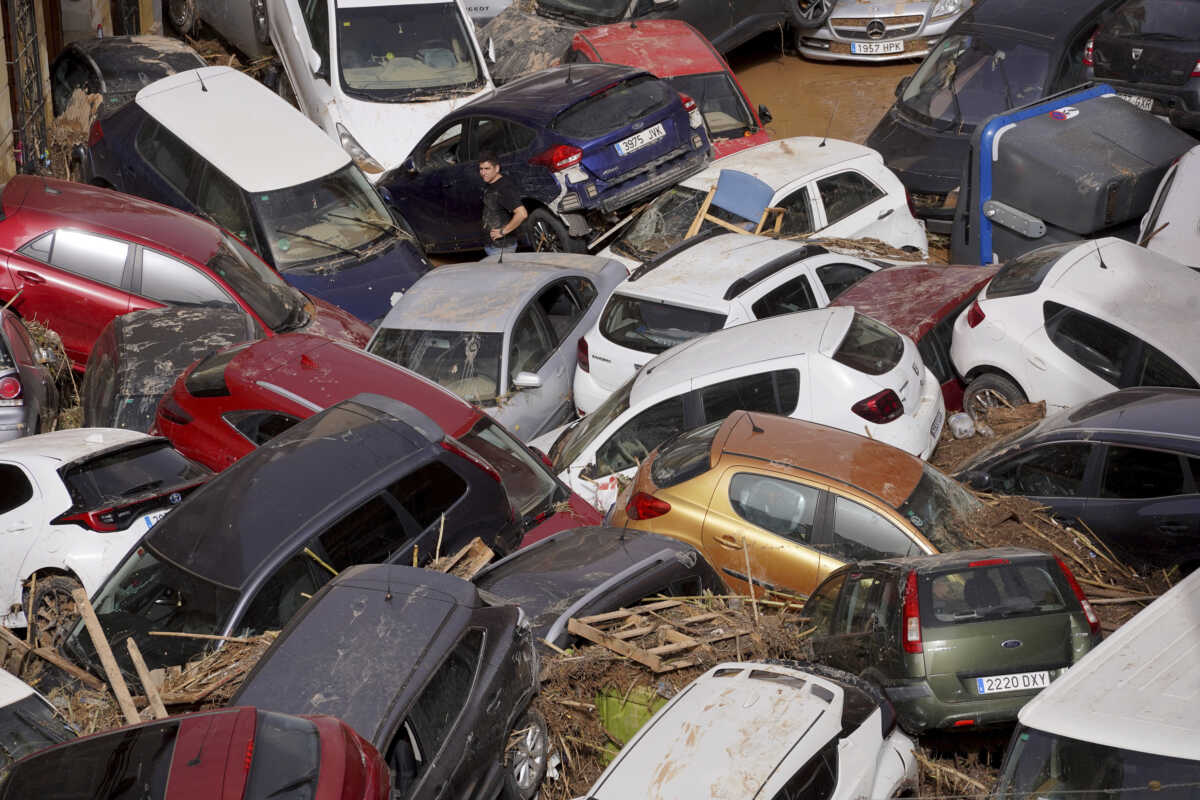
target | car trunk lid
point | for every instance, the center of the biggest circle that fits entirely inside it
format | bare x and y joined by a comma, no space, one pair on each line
1145,60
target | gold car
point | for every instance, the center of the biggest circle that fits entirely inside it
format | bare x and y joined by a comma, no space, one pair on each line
779,503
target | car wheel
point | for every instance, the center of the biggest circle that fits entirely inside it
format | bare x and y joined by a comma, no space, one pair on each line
525,757
546,233
258,15
182,15
990,390
809,14
53,610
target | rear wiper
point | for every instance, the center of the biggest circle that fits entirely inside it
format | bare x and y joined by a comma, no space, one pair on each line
315,240
142,487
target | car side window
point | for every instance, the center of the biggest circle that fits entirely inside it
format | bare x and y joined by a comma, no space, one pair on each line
221,199
15,488
585,292
1155,369
96,257
531,343
636,438
794,295
820,606
771,392
782,507
1097,346
1053,470
854,613
845,193
260,427
173,282
498,136
1131,472
427,493
816,780
797,213
166,153
316,20
367,535
837,278
561,309
861,533
39,248
445,149
284,593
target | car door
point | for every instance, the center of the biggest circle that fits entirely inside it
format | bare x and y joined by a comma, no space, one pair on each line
418,189
73,280
1085,357
1054,474
798,213
22,518
852,206
509,142
860,529
858,637
162,280
537,346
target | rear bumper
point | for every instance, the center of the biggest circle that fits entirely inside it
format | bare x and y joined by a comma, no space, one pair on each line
589,393
655,177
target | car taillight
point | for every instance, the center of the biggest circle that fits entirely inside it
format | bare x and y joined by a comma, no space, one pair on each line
105,521
989,562
882,407
910,626
581,355
912,209
1088,611
558,158
975,315
1196,70
688,103
1089,50
646,506
459,449
171,411
95,134
10,390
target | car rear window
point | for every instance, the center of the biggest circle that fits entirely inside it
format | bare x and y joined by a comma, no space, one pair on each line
684,457
208,377
1025,273
992,591
128,472
652,327
870,347
1159,18
287,758
614,107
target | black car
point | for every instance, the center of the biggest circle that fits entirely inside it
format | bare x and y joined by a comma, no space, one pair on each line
1126,464
998,55
116,67
585,571
419,664
368,480
1149,51
28,394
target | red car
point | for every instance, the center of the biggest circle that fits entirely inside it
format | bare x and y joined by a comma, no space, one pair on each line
674,50
75,256
224,754
224,406
922,303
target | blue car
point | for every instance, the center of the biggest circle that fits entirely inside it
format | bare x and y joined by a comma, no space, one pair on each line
216,143
581,141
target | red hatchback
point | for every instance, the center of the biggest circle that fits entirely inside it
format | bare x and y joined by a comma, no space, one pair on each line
226,754
677,52
75,256
224,406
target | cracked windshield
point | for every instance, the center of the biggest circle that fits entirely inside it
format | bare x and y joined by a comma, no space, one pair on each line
665,222
465,362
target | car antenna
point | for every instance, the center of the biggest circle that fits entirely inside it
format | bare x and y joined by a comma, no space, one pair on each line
753,425
568,81
830,124
200,78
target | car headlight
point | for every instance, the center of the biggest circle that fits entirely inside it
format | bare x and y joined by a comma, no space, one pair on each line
361,158
948,8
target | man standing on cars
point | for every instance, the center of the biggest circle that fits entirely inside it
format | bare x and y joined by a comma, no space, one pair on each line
503,212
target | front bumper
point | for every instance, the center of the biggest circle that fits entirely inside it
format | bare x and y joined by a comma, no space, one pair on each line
869,37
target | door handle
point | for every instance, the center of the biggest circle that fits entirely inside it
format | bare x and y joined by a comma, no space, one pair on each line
728,542
31,277
1037,362
886,213
16,527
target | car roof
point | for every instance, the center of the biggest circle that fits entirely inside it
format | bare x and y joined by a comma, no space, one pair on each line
353,650
763,340
1049,20
1135,690
115,55
541,96
783,161
668,47
958,559
913,299
879,469
64,204
242,128
68,445
485,296
701,740
1152,410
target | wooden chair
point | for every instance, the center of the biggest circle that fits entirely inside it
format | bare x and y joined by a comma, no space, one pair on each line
742,195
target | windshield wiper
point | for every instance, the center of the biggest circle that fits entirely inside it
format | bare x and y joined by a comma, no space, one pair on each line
314,239
386,227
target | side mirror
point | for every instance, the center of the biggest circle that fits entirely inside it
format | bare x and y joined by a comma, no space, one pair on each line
527,380
491,51
978,479
902,85
764,114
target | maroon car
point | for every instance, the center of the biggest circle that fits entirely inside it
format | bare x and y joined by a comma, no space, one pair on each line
922,303
224,406
75,256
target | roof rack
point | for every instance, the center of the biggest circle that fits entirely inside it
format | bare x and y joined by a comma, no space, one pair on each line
771,267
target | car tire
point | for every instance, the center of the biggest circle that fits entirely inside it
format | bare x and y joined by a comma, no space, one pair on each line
546,233
181,14
258,17
53,610
526,754
810,14
991,390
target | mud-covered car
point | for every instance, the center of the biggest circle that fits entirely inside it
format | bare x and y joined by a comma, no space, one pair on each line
417,662
579,142
878,30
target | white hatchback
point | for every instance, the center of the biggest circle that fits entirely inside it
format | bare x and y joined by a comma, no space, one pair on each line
712,281
1172,225
1069,322
829,365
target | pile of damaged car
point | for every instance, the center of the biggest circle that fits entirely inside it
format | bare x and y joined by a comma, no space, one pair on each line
425,400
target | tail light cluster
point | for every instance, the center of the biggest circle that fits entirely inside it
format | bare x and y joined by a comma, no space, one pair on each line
646,506
1088,611
1089,51
558,158
95,134
10,391
975,315
910,624
882,407
1196,70
689,105
581,355
460,449
108,520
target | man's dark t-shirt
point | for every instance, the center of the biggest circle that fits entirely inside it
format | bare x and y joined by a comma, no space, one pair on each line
500,200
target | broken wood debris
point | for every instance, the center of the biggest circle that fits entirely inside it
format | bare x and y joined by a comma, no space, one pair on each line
468,561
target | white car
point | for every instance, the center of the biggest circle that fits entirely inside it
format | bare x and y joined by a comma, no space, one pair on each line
1172,225
72,503
827,187
712,281
376,75
1069,322
766,730
829,365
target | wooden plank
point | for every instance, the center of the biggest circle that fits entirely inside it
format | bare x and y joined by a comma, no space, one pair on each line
100,642
681,646
633,633
14,641
139,665
85,677
618,646
625,612
468,561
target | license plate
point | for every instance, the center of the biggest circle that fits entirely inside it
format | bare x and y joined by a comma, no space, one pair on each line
640,139
1144,103
1016,682
153,517
876,48
936,427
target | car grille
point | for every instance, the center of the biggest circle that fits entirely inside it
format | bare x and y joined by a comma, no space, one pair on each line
893,27
665,170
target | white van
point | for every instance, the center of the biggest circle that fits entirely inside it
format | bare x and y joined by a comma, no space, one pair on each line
1123,722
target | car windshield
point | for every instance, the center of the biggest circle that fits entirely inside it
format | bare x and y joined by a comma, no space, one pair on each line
968,78
614,107
665,221
465,362
148,467
287,758
278,305
26,726
650,326
324,219
993,591
531,489
722,105
573,440
1044,765
405,53
589,12
939,508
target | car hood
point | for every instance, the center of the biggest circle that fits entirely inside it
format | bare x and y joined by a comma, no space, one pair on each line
336,323
366,288
924,159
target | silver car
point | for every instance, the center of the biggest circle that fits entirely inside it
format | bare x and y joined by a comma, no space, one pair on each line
878,30
502,334
28,397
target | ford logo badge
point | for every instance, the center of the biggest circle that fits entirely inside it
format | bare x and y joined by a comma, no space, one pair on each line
175,497
1010,643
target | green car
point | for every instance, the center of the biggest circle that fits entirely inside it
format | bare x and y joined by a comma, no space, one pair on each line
958,640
